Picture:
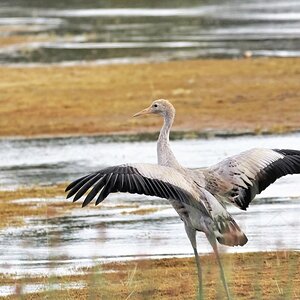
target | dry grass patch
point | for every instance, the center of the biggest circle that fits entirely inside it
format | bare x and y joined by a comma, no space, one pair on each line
264,275
254,94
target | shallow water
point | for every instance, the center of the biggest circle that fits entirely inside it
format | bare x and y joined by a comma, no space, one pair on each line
61,245
131,31
55,160
6,290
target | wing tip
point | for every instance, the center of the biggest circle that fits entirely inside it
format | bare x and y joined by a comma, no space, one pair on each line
67,188
245,206
70,194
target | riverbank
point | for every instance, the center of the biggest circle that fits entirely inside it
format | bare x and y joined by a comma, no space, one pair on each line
231,96
267,275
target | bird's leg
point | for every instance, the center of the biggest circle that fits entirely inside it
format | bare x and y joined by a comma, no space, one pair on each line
213,242
199,273
191,233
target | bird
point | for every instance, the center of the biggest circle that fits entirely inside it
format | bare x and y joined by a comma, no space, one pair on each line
200,195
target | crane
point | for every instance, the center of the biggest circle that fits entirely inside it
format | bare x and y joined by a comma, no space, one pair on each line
197,195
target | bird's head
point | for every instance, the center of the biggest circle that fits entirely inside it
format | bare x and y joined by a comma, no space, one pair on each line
158,107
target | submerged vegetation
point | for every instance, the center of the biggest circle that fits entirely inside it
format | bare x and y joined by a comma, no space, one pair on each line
13,212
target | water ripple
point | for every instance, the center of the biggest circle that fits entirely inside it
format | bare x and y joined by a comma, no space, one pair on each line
104,33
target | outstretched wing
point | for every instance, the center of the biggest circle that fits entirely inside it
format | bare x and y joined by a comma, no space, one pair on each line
239,178
147,179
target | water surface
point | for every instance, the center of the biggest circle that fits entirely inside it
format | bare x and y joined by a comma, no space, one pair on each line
132,31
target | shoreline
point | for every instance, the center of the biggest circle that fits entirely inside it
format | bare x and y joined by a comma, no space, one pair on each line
120,137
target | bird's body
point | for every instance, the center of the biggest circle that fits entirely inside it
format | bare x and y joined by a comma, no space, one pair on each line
197,195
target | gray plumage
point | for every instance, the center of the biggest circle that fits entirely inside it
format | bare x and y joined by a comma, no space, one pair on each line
197,195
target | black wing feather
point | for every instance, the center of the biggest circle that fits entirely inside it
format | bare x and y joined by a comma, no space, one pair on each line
79,184
289,164
72,184
143,185
86,186
137,186
91,195
123,179
150,186
106,190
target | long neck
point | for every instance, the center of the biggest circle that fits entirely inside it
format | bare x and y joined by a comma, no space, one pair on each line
165,155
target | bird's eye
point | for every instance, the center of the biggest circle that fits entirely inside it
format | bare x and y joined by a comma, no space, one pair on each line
155,105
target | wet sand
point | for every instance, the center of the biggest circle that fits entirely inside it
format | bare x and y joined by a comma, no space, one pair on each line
250,95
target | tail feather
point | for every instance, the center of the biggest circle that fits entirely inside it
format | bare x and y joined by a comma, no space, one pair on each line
229,233
226,230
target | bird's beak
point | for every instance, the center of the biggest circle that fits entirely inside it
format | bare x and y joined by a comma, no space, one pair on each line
143,112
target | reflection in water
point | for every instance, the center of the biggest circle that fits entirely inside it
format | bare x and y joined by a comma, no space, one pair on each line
119,31
114,230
